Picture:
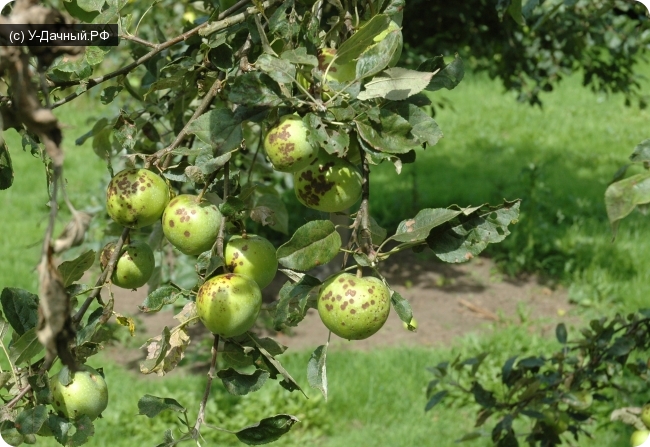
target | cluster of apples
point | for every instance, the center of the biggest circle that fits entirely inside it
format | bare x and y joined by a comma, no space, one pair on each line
227,304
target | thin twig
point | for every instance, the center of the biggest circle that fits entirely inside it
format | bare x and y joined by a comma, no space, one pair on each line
107,273
18,397
226,192
208,386
137,39
207,99
221,23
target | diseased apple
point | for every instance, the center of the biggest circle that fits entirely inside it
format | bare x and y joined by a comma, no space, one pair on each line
86,394
252,256
134,266
136,198
229,304
287,145
190,226
354,308
328,184
645,415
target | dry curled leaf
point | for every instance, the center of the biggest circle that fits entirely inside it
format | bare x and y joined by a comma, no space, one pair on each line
74,232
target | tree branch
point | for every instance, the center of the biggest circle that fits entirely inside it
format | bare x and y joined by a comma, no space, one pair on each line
208,386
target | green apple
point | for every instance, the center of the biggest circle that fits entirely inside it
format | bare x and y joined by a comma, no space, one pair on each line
639,438
328,184
252,256
354,308
134,266
334,72
190,225
287,145
645,415
136,198
557,421
229,304
85,395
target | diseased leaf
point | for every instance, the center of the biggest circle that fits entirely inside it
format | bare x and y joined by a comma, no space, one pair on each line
418,228
220,128
317,370
30,421
360,41
299,56
315,243
20,308
641,152
267,430
128,322
621,198
475,229
151,406
255,89
72,271
160,297
281,70
378,56
241,384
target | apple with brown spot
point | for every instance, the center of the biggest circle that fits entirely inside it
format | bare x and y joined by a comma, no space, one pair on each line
190,225
252,256
86,394
134,265
229,304
329,184
287,145
354,308
136,198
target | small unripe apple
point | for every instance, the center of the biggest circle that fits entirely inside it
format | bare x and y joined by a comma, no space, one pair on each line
328,184
557,421
639,438
134,266
580,400
229,304
252,256
190,226
287,145
136,198
85,395
354,308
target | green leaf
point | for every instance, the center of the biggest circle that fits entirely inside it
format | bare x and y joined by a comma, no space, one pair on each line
279,208
418,228
25,348
515,11
424,129
84,430
241,384
281,70
6,168
402,307
436,399
396,84
378,233
160,297
219,128
267,430
473,233
449,75
77,12
299,56
317,370
95,55
72,271
207,264
621,347
291,307
483,397
392,134
561,333
41,388
91,5
352,48
110,93
274,366
232,206
255,89
621,198
20,309
315,243
30,421
377,57
151,406
641,152
9,434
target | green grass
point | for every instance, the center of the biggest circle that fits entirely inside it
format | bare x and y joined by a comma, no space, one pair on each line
559,160
24,205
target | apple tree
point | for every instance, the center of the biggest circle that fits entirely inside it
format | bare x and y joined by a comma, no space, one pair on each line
221,107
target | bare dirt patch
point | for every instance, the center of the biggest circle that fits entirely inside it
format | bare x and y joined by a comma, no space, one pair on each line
448,301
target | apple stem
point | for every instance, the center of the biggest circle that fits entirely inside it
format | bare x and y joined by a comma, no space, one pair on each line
359,272
226,192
